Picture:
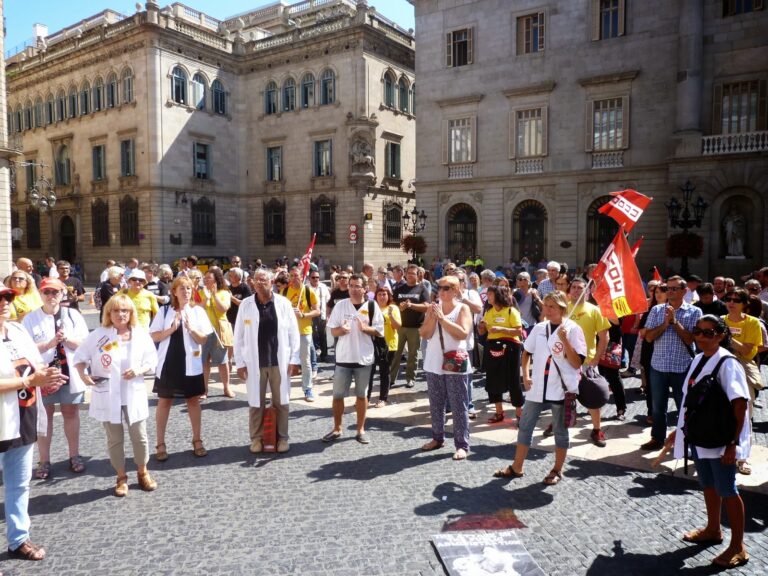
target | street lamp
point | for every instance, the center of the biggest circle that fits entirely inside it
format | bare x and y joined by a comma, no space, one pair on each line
414,221
42,194
686,216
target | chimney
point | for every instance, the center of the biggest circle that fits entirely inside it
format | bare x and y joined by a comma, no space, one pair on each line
39,31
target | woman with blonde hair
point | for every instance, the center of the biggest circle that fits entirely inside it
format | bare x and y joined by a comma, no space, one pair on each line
27,297
180,329
118,356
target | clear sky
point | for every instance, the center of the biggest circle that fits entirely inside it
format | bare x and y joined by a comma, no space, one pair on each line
20,15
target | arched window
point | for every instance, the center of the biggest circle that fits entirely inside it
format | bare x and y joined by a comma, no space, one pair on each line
111,99
203,222
98,94
199,88
72,102
28,116
601,229
270,98
100,222
61,106
62,166
402,88
327,87
307,90
179,85
127,85
529,225
129,221
39,113
323,211
274,222
389,90
18,120
50,110
85,99
219,98
33,227
462,232
393,225
289,94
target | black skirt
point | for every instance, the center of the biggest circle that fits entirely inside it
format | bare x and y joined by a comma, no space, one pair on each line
173,381
502,370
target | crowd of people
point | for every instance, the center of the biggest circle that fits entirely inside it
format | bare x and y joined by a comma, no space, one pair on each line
531,341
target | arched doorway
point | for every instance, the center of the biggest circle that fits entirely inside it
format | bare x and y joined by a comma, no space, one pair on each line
67,242
529,225
462,233
601,230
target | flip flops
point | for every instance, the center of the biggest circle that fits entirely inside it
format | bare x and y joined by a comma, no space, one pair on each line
699,536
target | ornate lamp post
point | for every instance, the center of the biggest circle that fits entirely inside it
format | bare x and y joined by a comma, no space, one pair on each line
43,193
686,216
413,223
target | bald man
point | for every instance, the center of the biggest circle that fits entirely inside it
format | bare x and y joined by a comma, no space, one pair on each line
27,266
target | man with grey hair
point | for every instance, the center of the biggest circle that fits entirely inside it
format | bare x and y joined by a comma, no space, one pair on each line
240,291
548,285
487,278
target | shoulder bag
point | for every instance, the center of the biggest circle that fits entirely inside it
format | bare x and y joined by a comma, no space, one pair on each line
453,360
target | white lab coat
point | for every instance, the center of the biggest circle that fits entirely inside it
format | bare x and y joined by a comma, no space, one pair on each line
40,326
246,346
100,351
198,321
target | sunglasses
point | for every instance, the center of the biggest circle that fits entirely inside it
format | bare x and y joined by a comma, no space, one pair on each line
675,288
705,332
18,278
734,300
314,277
662,289
50,292
441,287
8,296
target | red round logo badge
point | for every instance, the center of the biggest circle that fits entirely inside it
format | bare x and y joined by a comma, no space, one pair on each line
558,347
106,360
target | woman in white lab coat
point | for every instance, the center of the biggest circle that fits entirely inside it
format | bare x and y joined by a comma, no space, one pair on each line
118,357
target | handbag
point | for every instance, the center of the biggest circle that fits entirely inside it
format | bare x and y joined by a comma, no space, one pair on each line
593,388
225,333
453,360
611,358
569,402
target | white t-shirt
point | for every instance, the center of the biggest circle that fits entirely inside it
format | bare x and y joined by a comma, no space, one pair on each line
549,388
355,347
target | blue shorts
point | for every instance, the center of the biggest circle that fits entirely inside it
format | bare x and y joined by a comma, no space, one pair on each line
213,348
714,474
342,381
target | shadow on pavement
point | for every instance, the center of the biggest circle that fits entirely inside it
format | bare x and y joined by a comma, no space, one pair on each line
374,466
485,499
55,503
664,564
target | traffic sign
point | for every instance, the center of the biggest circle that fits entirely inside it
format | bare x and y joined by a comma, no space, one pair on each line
352,228
353,236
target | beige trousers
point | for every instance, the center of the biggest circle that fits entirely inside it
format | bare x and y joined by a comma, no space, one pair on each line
116,442
268,376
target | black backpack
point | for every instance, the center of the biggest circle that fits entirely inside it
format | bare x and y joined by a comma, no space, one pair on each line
709,420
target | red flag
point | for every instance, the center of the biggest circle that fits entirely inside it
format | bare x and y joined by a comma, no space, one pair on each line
656,274
626,207
306,260
619,289
636,246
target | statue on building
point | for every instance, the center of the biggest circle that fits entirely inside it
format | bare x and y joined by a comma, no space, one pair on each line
363,163
735,230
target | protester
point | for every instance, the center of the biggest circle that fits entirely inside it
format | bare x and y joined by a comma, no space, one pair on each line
109,288
305,308
180,330
472,300
75,291
528,300
414,300
716,467
323,295
26,265
707,302
266,352
156,286
22,375
143,300
383,359
27,297
216,299
119,354
546,286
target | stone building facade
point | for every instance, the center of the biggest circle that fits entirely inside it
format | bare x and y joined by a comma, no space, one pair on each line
531,112
169,132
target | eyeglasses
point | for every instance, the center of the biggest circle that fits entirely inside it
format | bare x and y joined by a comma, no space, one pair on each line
675,288
50,292
444,287
18,278
662,289
705,332
8,297
314,277
734,300
136,280
121,311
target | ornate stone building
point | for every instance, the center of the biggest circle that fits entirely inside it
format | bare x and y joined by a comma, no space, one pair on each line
169,132
531,112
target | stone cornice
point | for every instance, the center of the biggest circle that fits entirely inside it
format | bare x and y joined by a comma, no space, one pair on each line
470,99
531,89
614,78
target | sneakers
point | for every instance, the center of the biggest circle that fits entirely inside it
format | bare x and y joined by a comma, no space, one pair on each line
282,445
314,374
256,446
597,437
309,396
410,384
548,431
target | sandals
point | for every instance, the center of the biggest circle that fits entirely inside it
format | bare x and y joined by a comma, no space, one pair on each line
43,471
508,472
699,536
27,551
332,436
432,445
380,404
121,486
460,454
76,464
146,482
161,455
553,477
726,560
743,468
198,449
496,418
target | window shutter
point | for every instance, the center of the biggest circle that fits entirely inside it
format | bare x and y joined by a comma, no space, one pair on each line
589,119
544,129
512,134
473,139
542,30
387,166
520,40
595,6
717,110
762,104
397,161
470,48
449,50
330,158
622,17
625,119
446,143
94,159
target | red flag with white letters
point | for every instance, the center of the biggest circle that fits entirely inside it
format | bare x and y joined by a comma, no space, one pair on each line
306,260
626,207
636,246
618,286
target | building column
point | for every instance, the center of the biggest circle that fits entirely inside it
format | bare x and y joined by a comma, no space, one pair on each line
690,49
6,256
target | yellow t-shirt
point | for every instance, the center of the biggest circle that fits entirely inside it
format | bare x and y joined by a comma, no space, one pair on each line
505,318
591,322
24,304
296,295
225,297
747,332
390,334
146,306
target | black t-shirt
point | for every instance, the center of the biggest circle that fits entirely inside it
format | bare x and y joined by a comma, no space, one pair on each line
157,287
715,307
267,333
27,402
418,294
336,296
74,289
241,292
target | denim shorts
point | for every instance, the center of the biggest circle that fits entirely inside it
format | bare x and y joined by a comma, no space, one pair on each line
63,396
714,474
342,380
214,348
